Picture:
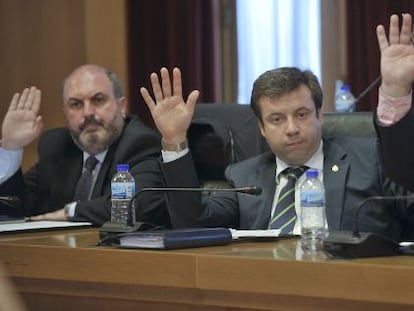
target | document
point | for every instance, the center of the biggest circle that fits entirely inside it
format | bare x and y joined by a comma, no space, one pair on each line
256,234
40,225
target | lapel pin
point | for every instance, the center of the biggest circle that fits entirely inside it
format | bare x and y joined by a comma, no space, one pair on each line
335,168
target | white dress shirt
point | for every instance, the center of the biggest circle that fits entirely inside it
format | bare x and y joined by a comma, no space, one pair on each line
315,162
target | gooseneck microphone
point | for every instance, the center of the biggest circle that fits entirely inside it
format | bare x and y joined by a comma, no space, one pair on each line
110,230
252,190
357,244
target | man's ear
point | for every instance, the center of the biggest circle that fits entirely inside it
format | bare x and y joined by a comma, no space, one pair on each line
261,128
123,105
320,116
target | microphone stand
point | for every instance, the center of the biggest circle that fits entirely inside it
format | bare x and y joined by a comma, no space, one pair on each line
364,92
357,244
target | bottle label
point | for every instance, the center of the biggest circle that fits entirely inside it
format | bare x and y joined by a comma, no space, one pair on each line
309,198
312,209
122,190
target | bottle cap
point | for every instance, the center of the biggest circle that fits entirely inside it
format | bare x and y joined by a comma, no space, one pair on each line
346,88
311,173
122,167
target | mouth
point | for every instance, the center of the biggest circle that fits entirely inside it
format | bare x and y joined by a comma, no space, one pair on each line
294,144
91,128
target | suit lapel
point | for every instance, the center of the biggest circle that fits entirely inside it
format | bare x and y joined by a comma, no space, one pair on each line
101,179
265,178
70,169
335,174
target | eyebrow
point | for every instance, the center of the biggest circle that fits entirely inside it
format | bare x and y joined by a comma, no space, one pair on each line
92,97
99,94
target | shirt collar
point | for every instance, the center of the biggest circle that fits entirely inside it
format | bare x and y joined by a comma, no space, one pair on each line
315,162
100,156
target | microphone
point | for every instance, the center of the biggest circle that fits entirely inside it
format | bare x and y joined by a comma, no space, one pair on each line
356,244
10,200
10,209
110,230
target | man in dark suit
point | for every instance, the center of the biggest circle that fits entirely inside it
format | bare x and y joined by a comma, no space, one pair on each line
395,115
97,125
287,103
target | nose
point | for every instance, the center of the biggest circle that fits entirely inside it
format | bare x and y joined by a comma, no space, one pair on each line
88,109
291,127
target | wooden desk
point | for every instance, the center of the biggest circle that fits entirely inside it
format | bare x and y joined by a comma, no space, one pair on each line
64,270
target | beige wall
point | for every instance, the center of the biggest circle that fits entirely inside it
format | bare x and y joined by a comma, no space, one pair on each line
43,40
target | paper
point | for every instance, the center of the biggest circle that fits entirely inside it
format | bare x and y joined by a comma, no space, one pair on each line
270,233
38,225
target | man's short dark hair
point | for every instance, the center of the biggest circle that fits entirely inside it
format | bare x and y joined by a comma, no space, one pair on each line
278,82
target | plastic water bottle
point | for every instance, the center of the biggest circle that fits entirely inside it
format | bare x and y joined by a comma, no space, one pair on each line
345,100
122,191
313,216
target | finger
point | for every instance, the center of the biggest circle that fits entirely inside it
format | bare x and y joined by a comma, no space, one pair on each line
35,104
38,125
30,98
406,30
394,37
177,83
14,101
147,98
382,37
192,100
23,98
166,83
156,88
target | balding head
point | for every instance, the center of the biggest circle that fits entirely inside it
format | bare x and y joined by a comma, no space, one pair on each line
94,107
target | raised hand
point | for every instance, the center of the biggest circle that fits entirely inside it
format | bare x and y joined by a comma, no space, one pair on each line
171,114
397,56
22,124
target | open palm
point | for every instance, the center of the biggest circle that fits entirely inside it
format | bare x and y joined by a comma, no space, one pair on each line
397,56
22,124
171,114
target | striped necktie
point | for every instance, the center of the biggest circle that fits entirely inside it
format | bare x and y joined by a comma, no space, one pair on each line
284,216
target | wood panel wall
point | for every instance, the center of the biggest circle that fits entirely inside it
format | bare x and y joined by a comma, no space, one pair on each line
41,41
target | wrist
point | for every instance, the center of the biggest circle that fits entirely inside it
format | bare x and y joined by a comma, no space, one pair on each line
6,145
175,147
395,91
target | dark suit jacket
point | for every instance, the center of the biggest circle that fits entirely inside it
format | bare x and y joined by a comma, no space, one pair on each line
396,150
50,184
358,177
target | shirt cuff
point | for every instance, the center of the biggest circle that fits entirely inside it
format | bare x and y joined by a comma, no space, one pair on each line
169,156
390,110
70,209
10,161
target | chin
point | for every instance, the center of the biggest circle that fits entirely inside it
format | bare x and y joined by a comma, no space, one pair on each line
93,143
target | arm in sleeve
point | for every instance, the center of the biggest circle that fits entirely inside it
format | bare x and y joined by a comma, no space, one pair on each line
10,161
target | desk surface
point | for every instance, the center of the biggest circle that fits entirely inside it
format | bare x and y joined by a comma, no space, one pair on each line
54,267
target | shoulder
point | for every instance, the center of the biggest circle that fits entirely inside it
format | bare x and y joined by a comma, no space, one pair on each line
137,140
251,164
352,144
56,139
356,150
135,128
